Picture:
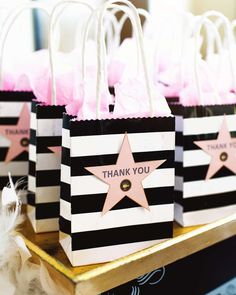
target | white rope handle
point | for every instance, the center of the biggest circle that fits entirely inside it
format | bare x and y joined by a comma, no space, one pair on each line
8,24
84,40
111,25
210,49
187,35
197,33
7,10
127,11
121,23
141,12
224,21
115,8
114,11
110,29
50,45
233,26
138,30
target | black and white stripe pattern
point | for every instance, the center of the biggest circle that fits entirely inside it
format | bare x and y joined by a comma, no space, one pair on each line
44,172
200,201
86,236
11,104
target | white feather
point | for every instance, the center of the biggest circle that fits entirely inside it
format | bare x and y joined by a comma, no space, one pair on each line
18,276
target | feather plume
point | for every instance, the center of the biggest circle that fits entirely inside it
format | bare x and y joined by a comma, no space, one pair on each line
18,276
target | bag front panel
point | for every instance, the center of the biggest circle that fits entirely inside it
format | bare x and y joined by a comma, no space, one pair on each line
32,164
65,193
11,106
47,166
97,143
202,200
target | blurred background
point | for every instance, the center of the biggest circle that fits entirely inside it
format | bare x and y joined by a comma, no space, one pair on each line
30,29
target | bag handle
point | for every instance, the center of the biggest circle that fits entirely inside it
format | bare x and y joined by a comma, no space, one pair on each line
115,24
121,23
111,25
233,26
8,24
51,30
110,31
204,21
141,12
110,17
135,20
118,26
222,20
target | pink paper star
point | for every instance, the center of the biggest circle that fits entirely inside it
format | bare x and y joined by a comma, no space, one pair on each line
125,177
17,134
222,151
56,150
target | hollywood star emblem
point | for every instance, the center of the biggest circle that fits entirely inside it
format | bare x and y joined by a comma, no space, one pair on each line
125,177
222,151
18,135
56,150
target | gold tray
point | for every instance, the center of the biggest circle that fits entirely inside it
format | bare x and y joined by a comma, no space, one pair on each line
95,279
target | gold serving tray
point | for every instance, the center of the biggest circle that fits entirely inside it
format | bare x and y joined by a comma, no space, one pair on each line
95,279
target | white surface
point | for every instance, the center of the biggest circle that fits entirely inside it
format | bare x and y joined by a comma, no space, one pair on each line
209,187
49,161
49,127
32,152
16,168
193,126
47,194
111,143
102,254
11,109
202,216
118,218
89,184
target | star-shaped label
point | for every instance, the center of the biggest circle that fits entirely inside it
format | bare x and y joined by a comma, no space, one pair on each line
125,177
17,134
222,151
56,150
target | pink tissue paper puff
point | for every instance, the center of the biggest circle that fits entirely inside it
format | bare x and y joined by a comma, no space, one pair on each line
189,95
132,100
84,105
221,68
123,62
67,73
38,72
172,74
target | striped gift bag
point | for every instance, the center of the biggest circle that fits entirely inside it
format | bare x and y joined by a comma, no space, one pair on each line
205,182
14,132
14,117
86,235
45,148
205,185
117,180
44,166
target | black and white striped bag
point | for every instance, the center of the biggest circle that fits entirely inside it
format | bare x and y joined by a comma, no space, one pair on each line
14,107
45,160
44,166
45,149
205,181
14,122
87,236
200,200
91,232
